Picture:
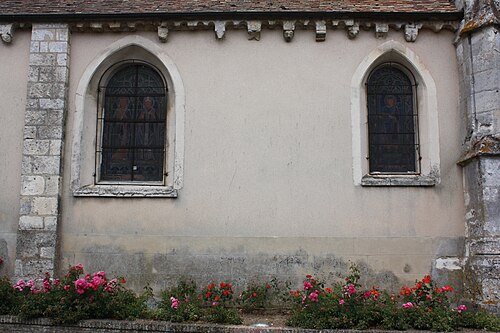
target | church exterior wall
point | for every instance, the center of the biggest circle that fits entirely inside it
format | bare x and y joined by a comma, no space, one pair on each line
268,184
13,74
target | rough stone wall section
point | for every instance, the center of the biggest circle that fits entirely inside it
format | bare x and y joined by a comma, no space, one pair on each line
478,54
46,105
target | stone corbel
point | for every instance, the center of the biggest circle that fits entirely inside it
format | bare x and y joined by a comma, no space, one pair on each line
320,31
220,29
163,32
97,26
352,28
411,31
381,30
254,28
288,30
7,32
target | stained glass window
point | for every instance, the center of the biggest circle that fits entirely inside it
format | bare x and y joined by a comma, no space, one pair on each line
133,125
392,121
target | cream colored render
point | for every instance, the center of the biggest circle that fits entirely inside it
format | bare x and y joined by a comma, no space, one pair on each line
268,169
13,85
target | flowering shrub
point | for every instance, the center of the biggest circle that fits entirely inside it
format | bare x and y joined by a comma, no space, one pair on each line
10,298
184,303
423,306
341,306
74,298
346,304
220,302
180,304
260,295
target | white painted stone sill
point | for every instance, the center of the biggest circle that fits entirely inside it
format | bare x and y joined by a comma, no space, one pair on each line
398,180
126,191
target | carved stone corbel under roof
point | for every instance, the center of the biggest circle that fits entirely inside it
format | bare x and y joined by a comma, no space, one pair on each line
163,32
411,31
254,28
288,30
320,31
381,30
220,29
352,28
7,32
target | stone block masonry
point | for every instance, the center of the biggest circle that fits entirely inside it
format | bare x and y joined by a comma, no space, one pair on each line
46,105
478,54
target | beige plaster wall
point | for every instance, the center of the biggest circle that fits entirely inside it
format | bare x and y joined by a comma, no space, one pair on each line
13,83
268,185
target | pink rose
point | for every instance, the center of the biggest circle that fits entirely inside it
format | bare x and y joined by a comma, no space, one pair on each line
408,305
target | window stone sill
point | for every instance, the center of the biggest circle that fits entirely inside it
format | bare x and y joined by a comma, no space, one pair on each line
398,180
126,191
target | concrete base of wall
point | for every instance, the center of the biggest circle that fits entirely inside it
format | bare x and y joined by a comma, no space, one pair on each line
12,324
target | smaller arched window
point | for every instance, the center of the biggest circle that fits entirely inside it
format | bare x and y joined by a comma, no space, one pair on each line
132,123
393,146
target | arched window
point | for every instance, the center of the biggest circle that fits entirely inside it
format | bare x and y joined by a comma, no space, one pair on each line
393,146
132,123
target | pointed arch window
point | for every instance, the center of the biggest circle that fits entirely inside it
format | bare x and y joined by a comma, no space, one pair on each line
393,146
132,124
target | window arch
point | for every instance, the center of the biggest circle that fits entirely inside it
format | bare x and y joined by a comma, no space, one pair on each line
426,171
132,120
90,176
392,121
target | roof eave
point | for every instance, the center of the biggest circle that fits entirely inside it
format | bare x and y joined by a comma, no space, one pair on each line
248,15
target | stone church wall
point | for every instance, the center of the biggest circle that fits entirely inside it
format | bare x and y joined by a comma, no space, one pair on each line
268,170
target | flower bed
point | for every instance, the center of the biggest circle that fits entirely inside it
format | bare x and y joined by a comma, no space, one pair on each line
79,296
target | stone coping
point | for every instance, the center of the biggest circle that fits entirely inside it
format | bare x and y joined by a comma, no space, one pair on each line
14,324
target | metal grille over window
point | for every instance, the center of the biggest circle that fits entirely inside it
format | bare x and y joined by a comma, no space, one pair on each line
392,122
133,122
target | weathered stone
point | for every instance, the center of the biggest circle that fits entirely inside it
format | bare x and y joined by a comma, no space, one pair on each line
35,117
55,147
36,147
33,74
26,165
30,222
46,165
51,103
58,47
52,185
50,132
62,59
25,206
62,73
47,252
40,59
44,121
62,35
34,268
45,206
42,34
44,47
487,101
32,185
50,223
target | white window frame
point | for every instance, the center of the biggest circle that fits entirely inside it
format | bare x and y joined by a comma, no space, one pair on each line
392,51
84,180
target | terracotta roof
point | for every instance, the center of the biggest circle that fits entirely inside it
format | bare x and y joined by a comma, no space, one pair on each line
113,7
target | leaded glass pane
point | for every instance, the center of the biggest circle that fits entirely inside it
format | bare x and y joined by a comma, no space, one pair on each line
133,136
391,121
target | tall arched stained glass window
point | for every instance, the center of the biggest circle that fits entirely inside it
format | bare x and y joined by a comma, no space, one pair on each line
392,121
133,121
